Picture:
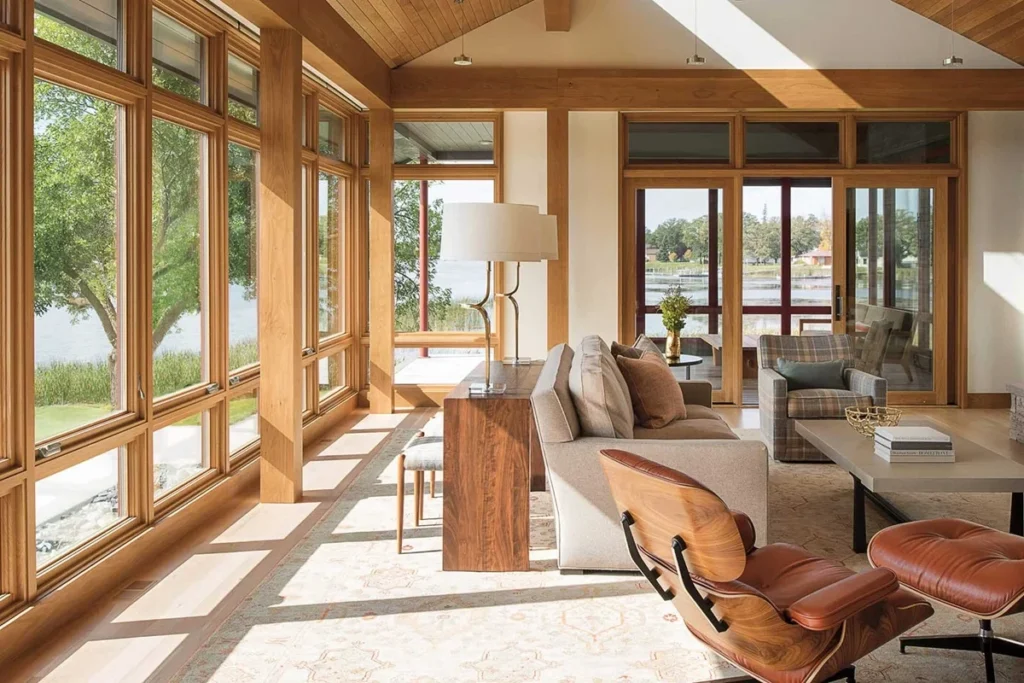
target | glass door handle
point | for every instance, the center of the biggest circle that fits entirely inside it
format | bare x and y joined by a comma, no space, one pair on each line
838,307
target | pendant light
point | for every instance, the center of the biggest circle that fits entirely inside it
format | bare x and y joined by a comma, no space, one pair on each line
462,59
696,59
952,59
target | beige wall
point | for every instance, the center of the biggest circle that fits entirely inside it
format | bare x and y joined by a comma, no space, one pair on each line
525,176
593,225
995,289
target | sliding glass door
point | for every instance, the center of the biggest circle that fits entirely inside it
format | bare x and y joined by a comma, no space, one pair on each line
896,292
680,245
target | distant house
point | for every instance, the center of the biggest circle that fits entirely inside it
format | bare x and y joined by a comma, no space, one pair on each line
817,257
651,254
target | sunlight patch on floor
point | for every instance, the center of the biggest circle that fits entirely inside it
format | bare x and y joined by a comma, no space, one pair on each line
119,660
358,443
325,475
378,422
195,588
267,523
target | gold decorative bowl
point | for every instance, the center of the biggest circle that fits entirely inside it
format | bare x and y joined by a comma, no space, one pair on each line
866,420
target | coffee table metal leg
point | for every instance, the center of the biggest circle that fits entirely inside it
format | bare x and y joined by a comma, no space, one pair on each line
687,372
860,541
1017,513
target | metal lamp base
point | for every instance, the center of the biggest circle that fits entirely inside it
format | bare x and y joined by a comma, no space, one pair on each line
486,389
516,361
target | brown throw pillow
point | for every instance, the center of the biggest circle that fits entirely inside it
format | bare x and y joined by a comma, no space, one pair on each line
653,389
627,351
643,344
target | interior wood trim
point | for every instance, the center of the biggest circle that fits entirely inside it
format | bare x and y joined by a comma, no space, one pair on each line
330,45
557,15
280,267
996,401
382,255
963,258
421,395
558,206
839,254
716,89
790,171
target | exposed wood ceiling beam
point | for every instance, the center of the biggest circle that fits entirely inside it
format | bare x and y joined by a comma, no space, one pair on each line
557,15
996,24
329,44
542,88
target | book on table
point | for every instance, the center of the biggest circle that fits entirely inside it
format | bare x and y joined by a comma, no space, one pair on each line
913,444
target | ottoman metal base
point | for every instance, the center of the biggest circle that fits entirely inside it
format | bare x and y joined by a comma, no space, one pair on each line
985,642
846,675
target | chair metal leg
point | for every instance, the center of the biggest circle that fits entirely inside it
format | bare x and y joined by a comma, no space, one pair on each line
986,642
417,495
401,501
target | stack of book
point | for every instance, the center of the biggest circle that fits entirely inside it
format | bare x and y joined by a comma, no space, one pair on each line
913,444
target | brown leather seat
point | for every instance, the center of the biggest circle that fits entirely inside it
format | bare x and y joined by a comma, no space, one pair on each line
778,612
967,566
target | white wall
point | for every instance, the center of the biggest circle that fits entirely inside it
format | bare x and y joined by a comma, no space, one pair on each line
525,174
593,225
756,34
995,290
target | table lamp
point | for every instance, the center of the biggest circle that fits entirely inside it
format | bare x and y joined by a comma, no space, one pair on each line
541,245
489,232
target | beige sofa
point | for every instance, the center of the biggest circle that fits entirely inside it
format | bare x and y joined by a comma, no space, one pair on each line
589,533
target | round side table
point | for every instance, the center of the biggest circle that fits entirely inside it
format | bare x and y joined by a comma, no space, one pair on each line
684,361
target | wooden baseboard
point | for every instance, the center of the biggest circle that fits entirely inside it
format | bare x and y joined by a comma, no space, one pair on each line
991,401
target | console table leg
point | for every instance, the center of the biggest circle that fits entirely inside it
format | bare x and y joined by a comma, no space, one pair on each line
1017,513
860,541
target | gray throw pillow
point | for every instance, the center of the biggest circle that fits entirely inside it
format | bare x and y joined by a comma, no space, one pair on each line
807,375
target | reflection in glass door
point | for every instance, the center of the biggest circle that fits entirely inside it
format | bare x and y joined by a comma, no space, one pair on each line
787,263
679,245
891,250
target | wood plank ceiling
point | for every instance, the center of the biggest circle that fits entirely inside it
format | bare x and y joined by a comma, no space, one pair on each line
996,24
402,30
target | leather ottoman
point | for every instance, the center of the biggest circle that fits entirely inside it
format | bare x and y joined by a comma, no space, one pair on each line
969,567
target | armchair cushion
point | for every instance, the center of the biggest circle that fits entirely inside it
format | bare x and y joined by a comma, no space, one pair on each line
860,382
812,375
682,430
656,395
823,403
828,607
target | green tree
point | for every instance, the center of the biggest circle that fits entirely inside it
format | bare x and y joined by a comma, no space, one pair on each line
407,261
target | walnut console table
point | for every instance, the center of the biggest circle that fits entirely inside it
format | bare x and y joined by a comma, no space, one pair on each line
490,449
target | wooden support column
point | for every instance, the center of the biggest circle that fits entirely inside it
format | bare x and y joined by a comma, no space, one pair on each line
558,206
382,262
280,266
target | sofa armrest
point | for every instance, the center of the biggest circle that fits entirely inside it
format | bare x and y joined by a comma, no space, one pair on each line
866,384
696,392
828,607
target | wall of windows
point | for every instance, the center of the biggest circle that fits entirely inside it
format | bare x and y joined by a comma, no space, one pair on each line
129,307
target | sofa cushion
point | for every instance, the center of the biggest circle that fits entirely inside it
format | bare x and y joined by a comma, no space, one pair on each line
692,428
653,390
599,392
811,375
824,403
643,344
553,407
627,351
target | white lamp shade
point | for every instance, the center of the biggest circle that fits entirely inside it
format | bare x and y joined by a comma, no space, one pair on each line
547,238
478,231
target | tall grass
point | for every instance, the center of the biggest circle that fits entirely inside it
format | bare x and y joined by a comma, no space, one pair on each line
64,383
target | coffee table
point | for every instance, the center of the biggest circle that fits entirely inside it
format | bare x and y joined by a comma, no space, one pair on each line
976,470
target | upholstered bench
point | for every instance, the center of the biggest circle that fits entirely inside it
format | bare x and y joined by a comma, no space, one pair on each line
969,567
423,453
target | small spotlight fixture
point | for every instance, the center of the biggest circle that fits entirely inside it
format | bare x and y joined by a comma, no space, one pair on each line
952,60
462,59
696,59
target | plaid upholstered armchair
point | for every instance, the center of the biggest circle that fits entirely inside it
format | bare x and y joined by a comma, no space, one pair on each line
781,407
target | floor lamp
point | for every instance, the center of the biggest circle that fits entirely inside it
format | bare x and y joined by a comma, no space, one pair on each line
489,232
541,246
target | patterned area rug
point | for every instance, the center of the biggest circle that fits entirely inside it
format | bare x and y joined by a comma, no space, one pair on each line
345,607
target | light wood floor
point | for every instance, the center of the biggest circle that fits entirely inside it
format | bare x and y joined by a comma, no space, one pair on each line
147,630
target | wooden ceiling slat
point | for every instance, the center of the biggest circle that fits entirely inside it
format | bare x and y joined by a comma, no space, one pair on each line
996,24
395,17
392,33
425,17
412,17
445,15
368,32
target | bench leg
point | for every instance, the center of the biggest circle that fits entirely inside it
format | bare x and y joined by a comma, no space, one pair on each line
417,496
401,501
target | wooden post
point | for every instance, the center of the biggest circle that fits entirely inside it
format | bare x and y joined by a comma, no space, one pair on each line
382,262
558,205
280,266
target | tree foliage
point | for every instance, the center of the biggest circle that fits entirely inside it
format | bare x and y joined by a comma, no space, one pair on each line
407,250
